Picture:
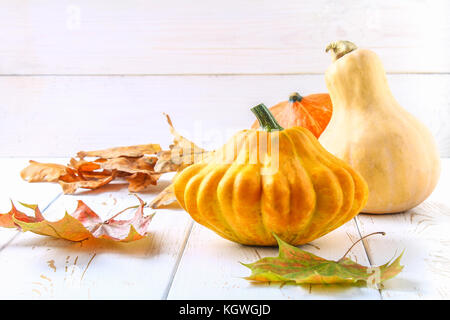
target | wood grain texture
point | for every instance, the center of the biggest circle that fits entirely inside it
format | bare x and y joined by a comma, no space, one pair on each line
177,263
422,233
94,74
61,115
210,269
228,37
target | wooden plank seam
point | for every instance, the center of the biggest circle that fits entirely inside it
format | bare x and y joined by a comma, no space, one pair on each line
366,251
177,263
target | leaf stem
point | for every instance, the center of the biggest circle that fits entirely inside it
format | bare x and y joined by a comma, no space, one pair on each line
120,212
370,234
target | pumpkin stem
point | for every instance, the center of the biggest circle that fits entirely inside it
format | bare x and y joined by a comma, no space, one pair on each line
295,97
266,120
340,48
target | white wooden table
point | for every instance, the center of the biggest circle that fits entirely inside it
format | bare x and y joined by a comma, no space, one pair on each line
183,260
87,75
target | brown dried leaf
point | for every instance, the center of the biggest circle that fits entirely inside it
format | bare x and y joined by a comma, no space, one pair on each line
132,165
181,141
121,162
165,198
83,165
38,172
140,181
90,175
130,151
71,176
176,160
182,153
72,186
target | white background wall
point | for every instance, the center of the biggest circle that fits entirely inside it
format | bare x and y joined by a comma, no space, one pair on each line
86,74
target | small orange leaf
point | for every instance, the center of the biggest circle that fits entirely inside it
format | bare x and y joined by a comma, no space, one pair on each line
6,219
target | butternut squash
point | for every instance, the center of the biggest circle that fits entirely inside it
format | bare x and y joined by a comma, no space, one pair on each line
394,152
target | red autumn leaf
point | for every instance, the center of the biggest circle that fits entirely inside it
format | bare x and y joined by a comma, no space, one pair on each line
82,224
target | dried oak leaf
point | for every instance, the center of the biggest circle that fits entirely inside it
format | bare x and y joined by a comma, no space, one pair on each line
83,165
88,170
131,165
80,174
164,198
48,172
182,153
70,187
130,151
297,266
81,225
176,159
128,162
140,181
139,172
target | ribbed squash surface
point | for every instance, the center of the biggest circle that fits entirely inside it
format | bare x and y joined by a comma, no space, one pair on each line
237,195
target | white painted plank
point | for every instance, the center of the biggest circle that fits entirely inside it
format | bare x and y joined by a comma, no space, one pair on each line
201,37
210,269
12,187
58,116
423,233
52,268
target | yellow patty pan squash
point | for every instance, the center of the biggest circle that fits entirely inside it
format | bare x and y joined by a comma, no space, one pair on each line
271,181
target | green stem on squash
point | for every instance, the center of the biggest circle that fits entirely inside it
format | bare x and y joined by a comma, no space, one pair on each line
266,120
295,97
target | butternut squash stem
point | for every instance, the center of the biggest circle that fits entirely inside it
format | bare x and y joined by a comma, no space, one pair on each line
340,48
266,120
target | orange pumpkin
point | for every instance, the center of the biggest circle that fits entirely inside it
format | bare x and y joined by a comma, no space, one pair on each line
312,112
